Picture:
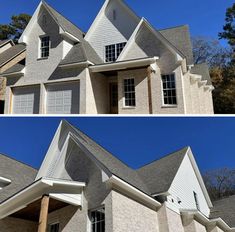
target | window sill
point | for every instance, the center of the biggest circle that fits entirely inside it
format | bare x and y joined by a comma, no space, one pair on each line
169,106
129,107
44,58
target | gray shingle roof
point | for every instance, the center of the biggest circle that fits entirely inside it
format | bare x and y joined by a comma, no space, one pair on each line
81,52
11,53
203,70
225,209
152,178
15,68
64,23
21,175
159,175
180,38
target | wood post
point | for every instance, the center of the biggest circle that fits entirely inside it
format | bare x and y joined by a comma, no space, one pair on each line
149,71
42,226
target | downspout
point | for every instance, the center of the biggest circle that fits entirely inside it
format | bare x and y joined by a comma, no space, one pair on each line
149,72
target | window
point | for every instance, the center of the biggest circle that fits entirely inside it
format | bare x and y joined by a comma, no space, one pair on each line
196,200
54,227
98,220
45,46
113,51
169,89
129,92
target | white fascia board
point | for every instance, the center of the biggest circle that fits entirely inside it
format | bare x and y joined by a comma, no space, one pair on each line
202,83
49,155
35,192
72,199
199,177
130,189
23,37
74,65
70,36
122,65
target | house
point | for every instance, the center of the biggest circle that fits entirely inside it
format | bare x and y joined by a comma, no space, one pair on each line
10,55
122,65
80,186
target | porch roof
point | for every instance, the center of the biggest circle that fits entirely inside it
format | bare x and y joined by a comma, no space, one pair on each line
61,190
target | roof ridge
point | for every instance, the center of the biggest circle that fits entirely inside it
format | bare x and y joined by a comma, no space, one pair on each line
168,28
49,7
164,157
21,162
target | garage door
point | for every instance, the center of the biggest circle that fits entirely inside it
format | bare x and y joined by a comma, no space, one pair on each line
26,100
63,98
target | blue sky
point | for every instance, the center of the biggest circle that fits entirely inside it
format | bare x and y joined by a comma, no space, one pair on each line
205,17
136,141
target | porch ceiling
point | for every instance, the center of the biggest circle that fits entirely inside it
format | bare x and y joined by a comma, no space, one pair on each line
32,211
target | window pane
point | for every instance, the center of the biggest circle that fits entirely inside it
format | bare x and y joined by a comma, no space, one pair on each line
169,89
129,92
45,46
98,220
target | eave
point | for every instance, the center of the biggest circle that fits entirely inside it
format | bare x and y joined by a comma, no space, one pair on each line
55,188
122,65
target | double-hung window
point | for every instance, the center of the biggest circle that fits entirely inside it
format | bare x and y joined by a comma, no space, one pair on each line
113,51
129,92
54,227
169,89
44,46
98,220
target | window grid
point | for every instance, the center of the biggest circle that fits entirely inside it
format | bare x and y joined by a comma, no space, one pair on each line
169,89
113,51
45,46
98,220
59,101
129,92
23,104
54,227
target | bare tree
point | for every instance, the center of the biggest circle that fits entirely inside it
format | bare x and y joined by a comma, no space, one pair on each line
210,51
220,182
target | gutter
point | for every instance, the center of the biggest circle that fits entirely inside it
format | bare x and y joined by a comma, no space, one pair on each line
122,65
117,182
14,73
73,65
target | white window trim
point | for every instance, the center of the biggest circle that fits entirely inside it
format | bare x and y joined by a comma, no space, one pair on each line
39,47
163,103
115,51
124,99
89,215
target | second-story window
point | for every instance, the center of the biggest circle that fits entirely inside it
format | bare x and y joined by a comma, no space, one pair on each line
55,227
45,47
113,51
169,89
196,200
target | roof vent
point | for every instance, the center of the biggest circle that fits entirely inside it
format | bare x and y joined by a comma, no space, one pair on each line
4,182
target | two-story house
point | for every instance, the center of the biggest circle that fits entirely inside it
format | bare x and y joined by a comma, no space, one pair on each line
122,65
81,187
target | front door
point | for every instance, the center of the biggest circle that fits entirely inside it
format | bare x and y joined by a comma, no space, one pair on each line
113,98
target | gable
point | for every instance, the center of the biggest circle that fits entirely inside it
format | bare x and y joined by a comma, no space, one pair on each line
114,24
186,182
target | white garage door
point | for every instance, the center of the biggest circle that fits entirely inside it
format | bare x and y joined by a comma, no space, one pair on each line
63,98
26,100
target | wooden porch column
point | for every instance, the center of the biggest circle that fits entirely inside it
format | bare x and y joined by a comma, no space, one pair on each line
42,226
149,72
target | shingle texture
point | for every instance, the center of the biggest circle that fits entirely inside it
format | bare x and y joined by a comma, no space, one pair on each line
81,52
225,209
64,23
203,70
159,175
156,177
15,68
21,175
180,38
11,53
